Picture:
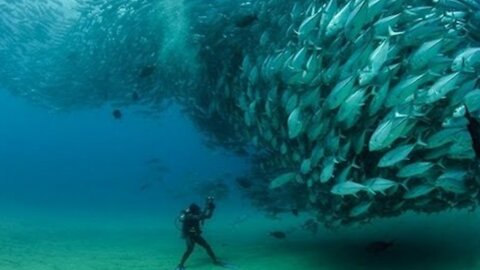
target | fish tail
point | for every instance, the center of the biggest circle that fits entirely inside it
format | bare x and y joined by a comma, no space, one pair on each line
440,164
404,185
354,163
392,33
370,191
420,141
434,74
406,182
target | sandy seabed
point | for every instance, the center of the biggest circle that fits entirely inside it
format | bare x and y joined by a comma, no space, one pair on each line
43,241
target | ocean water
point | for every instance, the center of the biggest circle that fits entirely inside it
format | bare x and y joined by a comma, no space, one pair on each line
66,176
115,116
71,198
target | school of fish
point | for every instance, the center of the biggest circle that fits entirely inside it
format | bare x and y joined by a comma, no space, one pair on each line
349,110
358,106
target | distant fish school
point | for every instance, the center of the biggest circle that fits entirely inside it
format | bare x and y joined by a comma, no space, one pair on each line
359,105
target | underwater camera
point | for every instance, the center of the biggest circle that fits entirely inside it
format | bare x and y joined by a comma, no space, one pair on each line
210,200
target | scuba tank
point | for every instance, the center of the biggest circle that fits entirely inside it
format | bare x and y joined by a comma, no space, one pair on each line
179,219
210,206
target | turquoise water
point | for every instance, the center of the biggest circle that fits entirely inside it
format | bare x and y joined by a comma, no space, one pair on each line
71,200
88,158
116,115
71,191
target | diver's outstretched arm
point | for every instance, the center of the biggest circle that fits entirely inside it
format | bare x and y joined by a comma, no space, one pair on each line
208,212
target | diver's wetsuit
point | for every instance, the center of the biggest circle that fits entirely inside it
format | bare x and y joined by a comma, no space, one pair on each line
192,233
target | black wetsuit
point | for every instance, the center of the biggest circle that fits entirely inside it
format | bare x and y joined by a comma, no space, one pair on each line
192,233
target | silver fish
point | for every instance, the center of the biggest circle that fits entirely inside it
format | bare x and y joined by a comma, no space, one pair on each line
328,169
422,56
282,180
452,181
350,188
418,191
415,169
379,184
360,209
295,123
396,155
468,60
339,93
339,20
442,87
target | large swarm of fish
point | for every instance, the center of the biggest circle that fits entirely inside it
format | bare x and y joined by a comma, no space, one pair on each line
353,109
358,106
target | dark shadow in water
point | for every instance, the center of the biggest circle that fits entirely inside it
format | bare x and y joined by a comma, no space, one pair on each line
409,252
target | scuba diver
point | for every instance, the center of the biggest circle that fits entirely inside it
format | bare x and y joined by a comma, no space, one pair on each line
191,219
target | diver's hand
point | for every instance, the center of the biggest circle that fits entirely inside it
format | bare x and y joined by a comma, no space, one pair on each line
211,206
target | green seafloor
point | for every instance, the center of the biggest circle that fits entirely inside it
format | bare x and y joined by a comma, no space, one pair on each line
39,240
82,206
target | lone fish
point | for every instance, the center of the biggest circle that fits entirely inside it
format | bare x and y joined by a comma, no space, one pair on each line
278,234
